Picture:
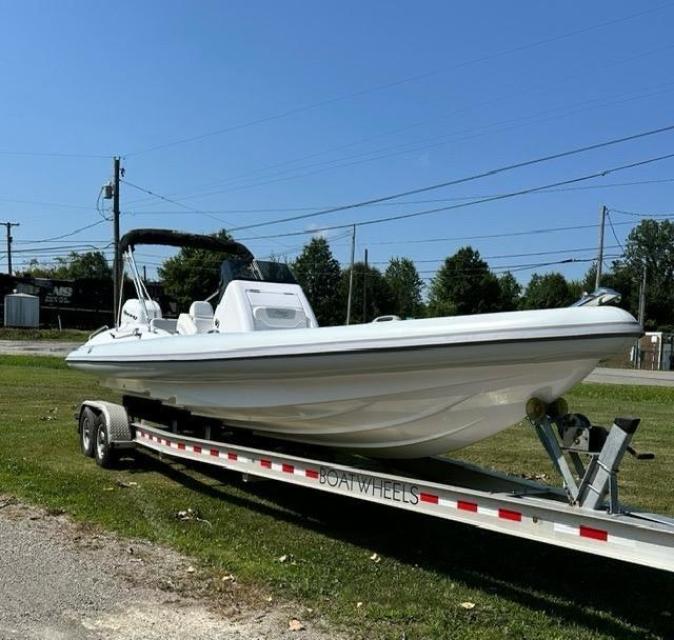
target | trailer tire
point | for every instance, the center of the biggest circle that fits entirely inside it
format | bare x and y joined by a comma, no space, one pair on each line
105,455
87,431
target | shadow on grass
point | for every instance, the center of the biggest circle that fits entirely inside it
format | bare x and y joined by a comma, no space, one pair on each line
574,587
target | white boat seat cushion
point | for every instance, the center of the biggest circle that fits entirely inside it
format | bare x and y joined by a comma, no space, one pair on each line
198,320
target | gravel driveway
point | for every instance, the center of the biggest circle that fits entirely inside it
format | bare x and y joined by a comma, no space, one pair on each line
37,347
63,581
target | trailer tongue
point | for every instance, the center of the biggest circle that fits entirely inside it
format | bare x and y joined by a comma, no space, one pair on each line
585,515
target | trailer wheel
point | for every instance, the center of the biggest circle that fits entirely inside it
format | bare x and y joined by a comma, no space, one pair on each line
87,431
106,457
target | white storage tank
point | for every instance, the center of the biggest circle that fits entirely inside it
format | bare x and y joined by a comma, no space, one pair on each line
22,310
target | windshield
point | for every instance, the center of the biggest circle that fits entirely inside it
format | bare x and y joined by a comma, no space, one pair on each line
259,270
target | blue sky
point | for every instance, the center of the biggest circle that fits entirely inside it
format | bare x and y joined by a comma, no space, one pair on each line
310,105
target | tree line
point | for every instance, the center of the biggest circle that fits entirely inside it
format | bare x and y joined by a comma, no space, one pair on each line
463,284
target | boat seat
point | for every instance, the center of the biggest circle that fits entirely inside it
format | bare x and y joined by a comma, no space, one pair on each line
198,320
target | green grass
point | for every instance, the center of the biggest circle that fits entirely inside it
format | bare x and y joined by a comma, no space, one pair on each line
428,567
68,335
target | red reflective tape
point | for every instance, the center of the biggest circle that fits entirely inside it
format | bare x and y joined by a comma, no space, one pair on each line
215,453
287,468
197,448
428,497
311,473
266,464
467,506
167,443
232,456
595,534
181,445
506,514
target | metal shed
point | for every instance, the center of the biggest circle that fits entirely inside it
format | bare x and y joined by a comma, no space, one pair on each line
22,310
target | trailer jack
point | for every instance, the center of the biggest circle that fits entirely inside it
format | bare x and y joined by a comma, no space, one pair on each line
596,480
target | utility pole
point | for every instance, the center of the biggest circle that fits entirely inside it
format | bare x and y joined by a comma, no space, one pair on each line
365,289
353,257
116,265
642,316
642,297
9,226
600,256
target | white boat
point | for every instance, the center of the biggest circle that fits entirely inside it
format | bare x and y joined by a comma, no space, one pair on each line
396,389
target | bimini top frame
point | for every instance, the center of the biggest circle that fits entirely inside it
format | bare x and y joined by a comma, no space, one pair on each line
170,238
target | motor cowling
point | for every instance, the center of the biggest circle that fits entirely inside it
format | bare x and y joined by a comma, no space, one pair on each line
136,312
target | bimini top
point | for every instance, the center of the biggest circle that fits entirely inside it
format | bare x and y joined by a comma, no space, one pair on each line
172,238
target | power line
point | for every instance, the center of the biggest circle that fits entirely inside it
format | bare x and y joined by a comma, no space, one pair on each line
397,204
67,235
50,154
478,176
499,257
496,100
389,85
591,176
176,202
497,269
56,250
509,255
417,146
493,235
636,214
286,163
615,235
48,204
88,241
180,204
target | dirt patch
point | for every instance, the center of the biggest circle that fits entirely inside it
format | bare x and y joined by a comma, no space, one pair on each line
66,580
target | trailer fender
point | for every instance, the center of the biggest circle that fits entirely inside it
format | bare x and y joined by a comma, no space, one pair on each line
116,420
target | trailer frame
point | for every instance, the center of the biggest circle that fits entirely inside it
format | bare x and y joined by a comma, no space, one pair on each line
575,517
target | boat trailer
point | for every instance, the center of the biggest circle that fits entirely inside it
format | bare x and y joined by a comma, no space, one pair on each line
584,515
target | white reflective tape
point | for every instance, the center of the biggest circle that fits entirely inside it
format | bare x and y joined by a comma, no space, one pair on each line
446,502
565,528
487,511
621,541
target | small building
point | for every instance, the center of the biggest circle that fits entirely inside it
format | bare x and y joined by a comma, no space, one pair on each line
22,310
655,351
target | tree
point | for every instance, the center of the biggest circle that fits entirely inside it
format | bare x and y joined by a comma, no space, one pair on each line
649,245
464,285
548,291
405,285
91,264
77,266
370,285
511,291
588,281
37,270
318,273
193,274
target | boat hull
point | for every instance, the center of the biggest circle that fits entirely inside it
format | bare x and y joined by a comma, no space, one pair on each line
398,402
